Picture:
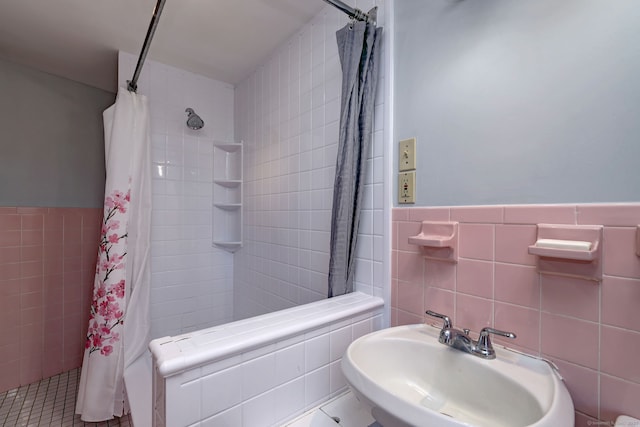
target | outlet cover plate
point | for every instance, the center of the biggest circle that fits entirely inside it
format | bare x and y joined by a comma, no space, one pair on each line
407,187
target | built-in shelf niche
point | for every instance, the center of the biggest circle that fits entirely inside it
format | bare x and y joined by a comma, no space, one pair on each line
569,250
438,240
227,195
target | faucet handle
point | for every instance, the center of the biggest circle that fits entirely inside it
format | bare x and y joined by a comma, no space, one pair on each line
484,345
447,321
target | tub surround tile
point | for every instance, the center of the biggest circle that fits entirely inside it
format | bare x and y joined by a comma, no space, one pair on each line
221,390
295,178
275,379
339,341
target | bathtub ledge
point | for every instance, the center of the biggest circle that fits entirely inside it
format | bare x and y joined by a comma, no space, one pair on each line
176,354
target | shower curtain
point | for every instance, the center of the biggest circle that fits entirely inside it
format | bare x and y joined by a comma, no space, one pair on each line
119,321
359,49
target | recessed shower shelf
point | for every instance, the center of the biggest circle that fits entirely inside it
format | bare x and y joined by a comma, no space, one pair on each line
227,195
229,246
438,240
228,206
229,147
229,183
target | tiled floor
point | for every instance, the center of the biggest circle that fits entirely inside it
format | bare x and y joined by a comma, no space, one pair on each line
50,402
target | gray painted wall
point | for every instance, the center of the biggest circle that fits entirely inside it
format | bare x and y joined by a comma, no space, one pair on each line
51,140
530,101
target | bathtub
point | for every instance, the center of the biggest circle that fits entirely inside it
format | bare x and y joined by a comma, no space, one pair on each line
261,371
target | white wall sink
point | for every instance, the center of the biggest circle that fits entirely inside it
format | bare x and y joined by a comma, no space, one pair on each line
408,378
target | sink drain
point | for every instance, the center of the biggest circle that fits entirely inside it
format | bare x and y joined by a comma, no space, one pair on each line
444,413
336,419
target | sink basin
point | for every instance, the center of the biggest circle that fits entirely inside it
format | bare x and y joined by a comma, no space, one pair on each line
407,378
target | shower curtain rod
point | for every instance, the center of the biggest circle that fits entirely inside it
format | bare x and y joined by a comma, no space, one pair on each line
354,13
132,85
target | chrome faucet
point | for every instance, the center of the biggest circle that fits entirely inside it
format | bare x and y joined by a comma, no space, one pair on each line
460,339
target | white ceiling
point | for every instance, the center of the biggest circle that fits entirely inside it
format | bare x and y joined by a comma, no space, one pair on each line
79,39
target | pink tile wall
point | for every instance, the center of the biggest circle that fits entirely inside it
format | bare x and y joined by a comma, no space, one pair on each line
47,262
591,330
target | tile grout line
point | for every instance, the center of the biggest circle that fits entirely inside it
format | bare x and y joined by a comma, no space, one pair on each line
36,403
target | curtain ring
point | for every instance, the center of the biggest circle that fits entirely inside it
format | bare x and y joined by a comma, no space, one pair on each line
352,21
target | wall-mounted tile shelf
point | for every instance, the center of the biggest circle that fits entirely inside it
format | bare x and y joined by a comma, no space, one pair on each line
227,195
569,250
438,240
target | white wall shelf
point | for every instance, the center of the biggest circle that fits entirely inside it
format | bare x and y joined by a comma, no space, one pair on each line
227,195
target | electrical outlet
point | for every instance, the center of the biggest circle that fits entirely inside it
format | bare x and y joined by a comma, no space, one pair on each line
407,155
407,187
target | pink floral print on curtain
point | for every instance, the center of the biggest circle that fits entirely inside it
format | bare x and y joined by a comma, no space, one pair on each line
107,309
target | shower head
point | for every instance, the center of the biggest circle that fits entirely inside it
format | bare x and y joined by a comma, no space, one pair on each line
193,120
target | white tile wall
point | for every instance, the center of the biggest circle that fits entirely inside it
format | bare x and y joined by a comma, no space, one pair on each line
192,282
270,385
287,114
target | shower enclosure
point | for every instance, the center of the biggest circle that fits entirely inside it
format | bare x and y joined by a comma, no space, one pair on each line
287,115
288,121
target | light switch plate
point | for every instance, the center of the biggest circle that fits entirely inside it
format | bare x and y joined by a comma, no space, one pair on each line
407,187
407,155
